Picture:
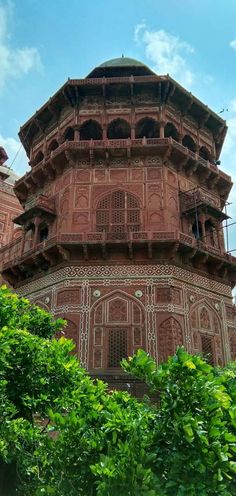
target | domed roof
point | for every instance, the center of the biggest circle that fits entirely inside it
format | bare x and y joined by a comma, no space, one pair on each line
122,62
121,66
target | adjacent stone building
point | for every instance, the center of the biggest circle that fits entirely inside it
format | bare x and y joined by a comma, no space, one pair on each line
122,221
9,204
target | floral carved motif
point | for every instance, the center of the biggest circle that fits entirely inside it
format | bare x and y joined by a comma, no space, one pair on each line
68,296
117,310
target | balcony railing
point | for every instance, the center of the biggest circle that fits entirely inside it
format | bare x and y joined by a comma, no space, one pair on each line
197,196
41,201
129,143
15,254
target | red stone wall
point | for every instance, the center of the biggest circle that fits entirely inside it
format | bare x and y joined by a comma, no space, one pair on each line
159,306
9,209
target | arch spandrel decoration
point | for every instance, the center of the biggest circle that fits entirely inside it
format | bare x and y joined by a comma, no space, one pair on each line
42,305
170,336
117,331
206,332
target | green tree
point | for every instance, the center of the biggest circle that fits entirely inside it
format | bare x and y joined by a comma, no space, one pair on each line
63,434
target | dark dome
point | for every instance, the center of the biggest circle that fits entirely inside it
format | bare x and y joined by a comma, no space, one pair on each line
122,66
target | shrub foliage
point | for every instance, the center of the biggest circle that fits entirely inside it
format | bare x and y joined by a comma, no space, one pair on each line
61,433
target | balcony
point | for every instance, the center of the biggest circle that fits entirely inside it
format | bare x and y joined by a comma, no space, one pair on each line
197,200
68,152
40,204
18,264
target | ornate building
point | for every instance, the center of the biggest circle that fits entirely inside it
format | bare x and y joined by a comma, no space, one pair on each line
122,221
9,204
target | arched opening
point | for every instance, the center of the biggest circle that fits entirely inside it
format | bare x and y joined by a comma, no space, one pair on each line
43,232
118,212
91,130
69,134
118,129
39,157
148,128
170,336
170,131
53,145
206,333
117,331
197,230
204,153
211,234
189,143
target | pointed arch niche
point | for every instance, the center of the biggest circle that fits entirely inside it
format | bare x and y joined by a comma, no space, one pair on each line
170,336
117,331
206,332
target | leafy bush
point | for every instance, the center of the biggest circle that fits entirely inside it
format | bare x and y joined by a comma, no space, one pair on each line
61,433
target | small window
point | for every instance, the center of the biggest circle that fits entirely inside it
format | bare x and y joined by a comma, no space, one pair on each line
147,128
118,129
43,234
189,143
69,134
170,131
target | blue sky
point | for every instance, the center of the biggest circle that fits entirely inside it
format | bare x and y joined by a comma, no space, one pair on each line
43,42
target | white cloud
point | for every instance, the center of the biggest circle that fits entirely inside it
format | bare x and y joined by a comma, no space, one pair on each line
233,44
15,152
167,52
14,61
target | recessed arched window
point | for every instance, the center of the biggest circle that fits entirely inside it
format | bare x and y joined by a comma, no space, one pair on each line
118,129
53,145
43,232
197,230
69,135
39,157
148,128
171,131
118,212
117,331
204,153
189,143
91,130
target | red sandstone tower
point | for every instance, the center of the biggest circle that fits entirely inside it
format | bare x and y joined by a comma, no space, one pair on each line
122,221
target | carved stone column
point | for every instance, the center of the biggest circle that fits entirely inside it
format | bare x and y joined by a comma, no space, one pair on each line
162,129
36,231
132,132
77,133
22,246
104,132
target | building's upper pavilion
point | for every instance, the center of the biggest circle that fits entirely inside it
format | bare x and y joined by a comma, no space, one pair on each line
128,75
